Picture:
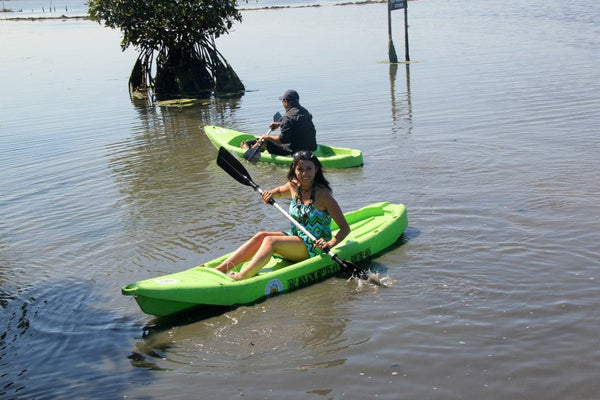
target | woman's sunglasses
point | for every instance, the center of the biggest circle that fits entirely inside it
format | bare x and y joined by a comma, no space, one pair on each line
303,155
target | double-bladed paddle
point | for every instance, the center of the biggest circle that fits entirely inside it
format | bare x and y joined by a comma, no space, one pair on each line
230,164
253,153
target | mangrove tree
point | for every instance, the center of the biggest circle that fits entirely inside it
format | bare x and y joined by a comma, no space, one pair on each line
176,43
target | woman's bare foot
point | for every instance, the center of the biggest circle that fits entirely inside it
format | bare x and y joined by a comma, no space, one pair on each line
236,276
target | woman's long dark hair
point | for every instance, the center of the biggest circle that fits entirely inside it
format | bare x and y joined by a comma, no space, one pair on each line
308,156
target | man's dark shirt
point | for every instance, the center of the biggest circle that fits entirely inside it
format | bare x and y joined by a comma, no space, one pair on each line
298,130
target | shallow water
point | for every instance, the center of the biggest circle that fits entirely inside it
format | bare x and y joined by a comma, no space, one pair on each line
490,138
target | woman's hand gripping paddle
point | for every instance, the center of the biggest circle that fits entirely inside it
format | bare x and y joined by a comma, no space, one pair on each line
230,164
253,153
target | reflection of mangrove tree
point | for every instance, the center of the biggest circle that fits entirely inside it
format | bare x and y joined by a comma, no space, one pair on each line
178,39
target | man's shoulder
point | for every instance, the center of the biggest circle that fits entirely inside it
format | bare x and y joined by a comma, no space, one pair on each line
297,110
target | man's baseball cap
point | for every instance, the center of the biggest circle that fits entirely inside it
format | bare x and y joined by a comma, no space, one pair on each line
290,95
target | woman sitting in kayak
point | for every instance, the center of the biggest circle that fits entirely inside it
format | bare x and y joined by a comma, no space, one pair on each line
312,205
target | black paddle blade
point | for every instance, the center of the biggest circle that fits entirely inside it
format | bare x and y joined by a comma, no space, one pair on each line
253,153
351,269
234,168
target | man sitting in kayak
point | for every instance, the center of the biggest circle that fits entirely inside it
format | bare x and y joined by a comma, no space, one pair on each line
297,129
312,205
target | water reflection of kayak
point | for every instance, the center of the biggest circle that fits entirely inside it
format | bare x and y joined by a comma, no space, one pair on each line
330,157
373,229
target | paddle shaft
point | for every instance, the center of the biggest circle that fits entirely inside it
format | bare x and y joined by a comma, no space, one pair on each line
344,264
297,224
355,270
287,215
252,153
261,140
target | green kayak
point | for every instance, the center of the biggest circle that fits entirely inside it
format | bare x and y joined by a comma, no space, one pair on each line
373,228
330,157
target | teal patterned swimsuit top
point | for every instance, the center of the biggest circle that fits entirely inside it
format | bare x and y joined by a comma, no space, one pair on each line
315,221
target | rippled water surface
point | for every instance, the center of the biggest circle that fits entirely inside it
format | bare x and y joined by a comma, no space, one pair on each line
489,137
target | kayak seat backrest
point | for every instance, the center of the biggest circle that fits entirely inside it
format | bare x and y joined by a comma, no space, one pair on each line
324,151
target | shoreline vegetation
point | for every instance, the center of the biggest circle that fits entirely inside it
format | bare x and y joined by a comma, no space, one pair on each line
86,17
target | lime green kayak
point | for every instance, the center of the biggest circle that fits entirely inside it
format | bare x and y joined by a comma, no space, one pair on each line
373,229
330,157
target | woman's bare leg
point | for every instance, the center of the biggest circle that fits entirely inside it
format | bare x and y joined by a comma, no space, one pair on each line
289,247
246,251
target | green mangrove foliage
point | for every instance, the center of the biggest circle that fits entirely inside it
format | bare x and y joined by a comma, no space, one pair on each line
177,37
